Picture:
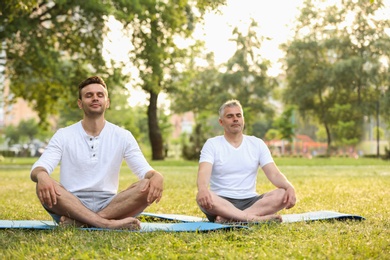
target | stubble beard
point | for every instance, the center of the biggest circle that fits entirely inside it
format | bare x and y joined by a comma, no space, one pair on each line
94,113
236,129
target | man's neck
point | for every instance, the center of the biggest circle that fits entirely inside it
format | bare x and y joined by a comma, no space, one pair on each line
234,139
93,127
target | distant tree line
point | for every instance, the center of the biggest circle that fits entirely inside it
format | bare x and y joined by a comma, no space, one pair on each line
336,67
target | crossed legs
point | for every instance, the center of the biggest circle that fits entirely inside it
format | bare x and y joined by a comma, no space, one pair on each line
119,213
264,209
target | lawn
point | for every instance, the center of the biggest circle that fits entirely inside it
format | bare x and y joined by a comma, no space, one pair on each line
345,185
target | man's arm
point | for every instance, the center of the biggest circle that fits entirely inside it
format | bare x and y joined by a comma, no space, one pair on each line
47,191
204,174
278,179
156,186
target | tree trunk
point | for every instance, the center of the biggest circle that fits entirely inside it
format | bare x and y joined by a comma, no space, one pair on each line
329,138
155,136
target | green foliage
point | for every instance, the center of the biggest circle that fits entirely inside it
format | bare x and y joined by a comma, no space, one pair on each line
379,130
261,126
204,88
285,124
50,47
153,27
28,128
193,145
272,134
11,134
246,77
347,128
348,181
321,134
25,132
331,63
195,88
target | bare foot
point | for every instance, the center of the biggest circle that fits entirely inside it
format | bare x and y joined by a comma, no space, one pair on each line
251,219
276,218
66,222
126,223
219,219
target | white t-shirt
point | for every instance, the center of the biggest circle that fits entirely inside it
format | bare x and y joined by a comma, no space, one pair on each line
92,163
234,171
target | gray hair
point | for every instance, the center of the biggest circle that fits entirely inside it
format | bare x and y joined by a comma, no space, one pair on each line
229,103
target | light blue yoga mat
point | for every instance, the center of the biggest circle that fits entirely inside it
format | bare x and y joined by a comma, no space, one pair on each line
145,227
187,223
174,217
288,218
319,215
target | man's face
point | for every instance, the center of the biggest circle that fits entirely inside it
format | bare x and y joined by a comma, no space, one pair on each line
232,120
94,100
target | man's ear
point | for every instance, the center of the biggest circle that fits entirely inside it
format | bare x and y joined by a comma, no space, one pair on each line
108,103
80,105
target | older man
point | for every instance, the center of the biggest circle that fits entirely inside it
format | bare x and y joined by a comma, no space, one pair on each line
227,173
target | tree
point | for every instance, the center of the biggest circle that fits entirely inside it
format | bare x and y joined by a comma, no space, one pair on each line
50,46
194,89
331,63
285,125
203,88
28,128
153,27
347,126
12,135
246,77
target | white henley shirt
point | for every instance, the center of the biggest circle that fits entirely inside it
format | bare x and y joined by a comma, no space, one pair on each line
92,163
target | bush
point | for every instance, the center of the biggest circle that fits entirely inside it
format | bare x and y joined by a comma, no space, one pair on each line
7,153
387,154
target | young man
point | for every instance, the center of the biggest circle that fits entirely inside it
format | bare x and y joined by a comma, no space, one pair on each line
229,164
91,153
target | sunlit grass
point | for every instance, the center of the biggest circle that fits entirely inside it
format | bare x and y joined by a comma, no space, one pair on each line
349,186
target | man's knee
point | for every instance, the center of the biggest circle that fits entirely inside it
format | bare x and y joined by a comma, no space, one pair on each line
277,196
140,188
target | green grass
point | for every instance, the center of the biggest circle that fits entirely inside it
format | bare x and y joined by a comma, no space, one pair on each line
345,185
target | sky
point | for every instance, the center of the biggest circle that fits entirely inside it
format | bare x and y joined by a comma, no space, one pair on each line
275,21
273,17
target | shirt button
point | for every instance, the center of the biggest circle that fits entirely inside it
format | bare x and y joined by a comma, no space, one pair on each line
90,139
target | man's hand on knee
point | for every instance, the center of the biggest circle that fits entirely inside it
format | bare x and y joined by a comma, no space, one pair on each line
289,197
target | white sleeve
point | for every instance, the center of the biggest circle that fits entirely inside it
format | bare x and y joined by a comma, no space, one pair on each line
52,154
265,154
135,158
207,153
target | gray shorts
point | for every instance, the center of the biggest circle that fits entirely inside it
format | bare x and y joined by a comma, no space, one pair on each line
93,200
238,203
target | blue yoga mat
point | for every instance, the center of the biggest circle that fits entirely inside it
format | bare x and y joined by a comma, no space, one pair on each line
288,218
187,223
145,227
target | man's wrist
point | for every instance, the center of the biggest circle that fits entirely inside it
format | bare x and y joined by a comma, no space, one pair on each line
38,173
202,188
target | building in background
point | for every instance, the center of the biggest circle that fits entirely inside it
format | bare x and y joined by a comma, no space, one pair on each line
182,123
12,113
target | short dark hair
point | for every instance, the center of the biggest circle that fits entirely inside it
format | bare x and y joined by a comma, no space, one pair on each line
91,80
